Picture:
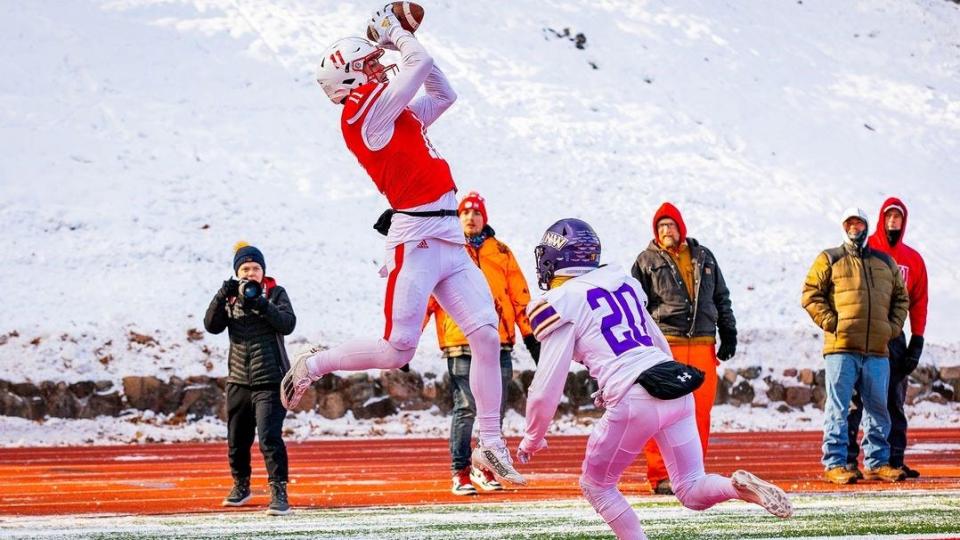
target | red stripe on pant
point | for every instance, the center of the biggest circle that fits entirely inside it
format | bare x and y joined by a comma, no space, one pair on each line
391,283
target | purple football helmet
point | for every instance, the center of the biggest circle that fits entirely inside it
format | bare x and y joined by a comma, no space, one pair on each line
570,247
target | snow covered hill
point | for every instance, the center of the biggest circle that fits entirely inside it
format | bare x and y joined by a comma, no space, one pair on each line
141,138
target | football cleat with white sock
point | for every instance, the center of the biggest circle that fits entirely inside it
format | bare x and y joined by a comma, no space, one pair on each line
297,380
497,460
752,489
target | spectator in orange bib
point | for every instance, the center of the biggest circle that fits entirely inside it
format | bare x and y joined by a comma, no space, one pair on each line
690,302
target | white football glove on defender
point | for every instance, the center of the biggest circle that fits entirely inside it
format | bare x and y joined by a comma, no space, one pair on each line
383,22
527,450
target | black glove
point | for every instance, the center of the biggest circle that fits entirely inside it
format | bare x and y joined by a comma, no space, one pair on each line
533,346
914,350
229,288
728,345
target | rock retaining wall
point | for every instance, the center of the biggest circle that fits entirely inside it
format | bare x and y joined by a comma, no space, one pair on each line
392,391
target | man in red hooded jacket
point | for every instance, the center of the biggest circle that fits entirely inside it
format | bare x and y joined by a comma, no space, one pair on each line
689,300
904,357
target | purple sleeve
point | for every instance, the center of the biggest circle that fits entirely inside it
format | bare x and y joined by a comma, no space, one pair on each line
546,390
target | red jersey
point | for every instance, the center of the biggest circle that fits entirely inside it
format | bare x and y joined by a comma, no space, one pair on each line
408,169
912,268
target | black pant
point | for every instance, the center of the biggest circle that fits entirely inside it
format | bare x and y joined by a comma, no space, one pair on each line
250,410
896,395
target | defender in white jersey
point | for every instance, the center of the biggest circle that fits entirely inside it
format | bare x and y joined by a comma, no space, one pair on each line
597,316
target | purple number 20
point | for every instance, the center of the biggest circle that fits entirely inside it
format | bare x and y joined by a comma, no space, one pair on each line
621,339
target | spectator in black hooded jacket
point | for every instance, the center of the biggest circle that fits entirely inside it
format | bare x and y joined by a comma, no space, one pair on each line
256,315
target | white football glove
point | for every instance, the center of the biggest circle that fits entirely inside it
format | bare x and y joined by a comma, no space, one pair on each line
526,450
598,400
382,23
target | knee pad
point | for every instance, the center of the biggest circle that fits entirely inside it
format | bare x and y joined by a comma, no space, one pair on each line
607,501
398,357
484,336
690,497
402,339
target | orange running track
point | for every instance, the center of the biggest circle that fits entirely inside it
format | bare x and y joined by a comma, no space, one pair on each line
173,478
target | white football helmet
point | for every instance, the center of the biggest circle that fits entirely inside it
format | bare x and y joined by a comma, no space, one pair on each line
349,63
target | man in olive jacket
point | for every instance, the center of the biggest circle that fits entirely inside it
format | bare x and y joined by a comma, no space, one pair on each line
690,302
257,314
856,295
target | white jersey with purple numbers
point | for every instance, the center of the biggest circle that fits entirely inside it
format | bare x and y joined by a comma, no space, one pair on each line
612,334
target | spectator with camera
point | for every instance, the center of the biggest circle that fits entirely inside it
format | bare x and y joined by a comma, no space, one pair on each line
689,300
256,312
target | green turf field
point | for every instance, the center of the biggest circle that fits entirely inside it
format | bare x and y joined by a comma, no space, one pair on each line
904,514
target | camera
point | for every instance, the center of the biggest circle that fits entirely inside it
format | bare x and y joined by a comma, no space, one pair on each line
249,289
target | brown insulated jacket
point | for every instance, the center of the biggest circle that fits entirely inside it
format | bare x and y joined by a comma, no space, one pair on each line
857,297
669,302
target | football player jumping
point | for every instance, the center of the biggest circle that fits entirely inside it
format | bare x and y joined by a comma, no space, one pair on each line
597,316
384,125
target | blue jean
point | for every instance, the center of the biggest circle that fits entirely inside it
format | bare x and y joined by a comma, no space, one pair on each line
843,372
896,396
465,409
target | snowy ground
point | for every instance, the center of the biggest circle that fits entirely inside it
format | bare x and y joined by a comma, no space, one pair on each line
141,138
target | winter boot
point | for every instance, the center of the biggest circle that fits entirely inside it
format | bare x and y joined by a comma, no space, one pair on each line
885,473
839,475
279,505
240,492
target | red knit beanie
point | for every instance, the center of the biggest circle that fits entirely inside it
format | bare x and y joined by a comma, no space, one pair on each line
473,201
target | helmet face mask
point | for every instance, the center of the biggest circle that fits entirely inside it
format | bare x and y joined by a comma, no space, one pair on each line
544,268
349,63
569,248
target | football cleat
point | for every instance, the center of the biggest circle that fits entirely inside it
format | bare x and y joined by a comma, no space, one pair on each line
752,489
297,380
497,460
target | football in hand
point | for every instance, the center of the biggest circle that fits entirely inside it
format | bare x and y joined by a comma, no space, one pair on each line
409,14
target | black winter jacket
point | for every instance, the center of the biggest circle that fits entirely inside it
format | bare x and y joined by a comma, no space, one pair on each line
257,354
669,302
